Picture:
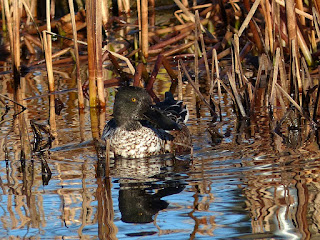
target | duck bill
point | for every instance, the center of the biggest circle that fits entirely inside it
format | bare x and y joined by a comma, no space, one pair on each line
160,120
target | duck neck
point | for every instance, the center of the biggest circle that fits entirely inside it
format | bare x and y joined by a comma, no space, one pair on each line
129,125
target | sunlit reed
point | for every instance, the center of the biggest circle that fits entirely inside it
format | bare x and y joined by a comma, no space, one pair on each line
76,51
144,28
48,48
90,20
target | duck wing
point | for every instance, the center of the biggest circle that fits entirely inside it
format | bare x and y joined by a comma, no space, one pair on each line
168,114
108,129
173,109
159,119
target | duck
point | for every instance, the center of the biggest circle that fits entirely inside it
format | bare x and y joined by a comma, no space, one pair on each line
141,129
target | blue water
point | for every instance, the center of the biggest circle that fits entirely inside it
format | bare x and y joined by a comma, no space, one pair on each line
247,185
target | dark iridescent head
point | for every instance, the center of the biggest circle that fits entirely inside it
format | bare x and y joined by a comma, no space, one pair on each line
129,106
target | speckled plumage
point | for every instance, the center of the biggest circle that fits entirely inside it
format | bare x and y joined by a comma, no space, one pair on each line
140,129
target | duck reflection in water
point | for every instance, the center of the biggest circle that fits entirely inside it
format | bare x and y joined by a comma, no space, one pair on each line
143,182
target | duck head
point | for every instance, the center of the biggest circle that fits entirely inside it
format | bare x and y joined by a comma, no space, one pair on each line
133,105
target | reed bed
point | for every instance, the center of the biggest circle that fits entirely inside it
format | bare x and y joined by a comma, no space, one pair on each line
209,46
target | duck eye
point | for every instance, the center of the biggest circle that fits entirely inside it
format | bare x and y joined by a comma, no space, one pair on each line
133,99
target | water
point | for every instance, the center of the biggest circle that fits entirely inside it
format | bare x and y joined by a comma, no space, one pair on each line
250,184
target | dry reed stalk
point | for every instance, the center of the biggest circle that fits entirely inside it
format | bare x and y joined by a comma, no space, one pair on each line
291,23
299,5
288,97
195,88
9,22
48,48
263,65
266,37
296,67
3,18
169,41
304,47
170,71
207,6
56,55
248,17
203,46
98,52
139,22
317,4
269,25
316,20
16,41
94,116
180,97
283,75
313,41
185,10
33,10
144,28
298,11
224,53
30,15
105,12
29,46
196,54
282,103
238,69
196,63
130,66
126,5
76,52
250,88
152,17
274,78
237,63
18,82
308,83
90,19
154,73
185,3
216,63
182,27
236,94
53,9
253,27
137,79
48,58
34,40
178,49
60,53
186,26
